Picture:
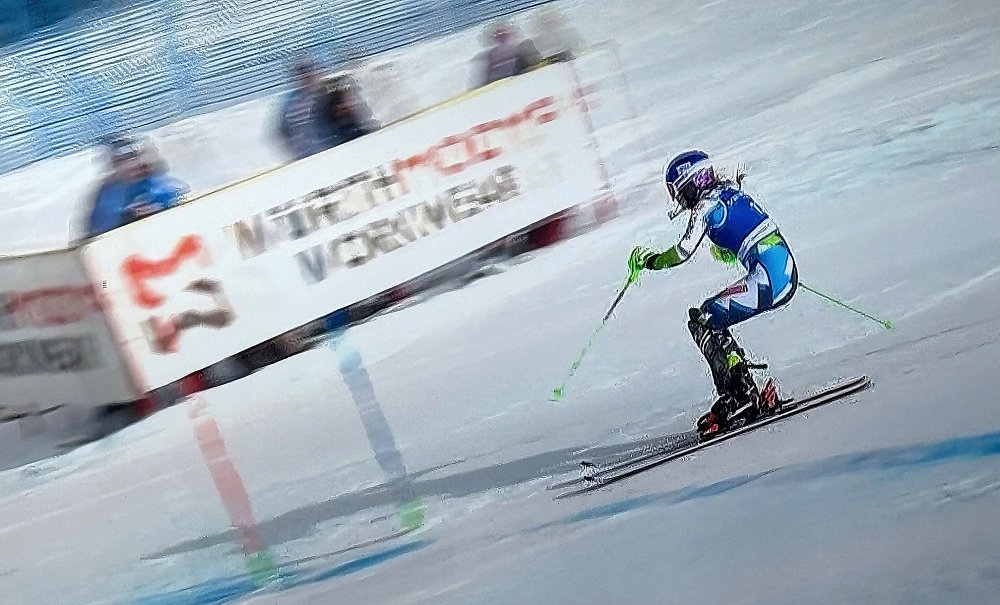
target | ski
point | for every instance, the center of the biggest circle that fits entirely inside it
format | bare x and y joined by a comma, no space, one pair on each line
628,455
637,453
607,475
785,406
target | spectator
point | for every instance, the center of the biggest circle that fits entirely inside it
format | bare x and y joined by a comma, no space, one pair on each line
346,115
555,38
138,186
321,113
300,124
505,56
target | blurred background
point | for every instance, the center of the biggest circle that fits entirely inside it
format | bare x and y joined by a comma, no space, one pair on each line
221,91
77,70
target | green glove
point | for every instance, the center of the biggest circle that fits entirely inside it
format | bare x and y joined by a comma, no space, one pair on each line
637,262
723,255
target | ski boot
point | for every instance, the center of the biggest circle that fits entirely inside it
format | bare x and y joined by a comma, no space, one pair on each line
726,414
769,402
766,400
744,392
741,406
740,401
714,422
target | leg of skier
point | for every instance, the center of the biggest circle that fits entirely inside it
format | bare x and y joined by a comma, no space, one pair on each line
770,283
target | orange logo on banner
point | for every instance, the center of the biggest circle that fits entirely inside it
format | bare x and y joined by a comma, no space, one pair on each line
162,334
138,271
471,147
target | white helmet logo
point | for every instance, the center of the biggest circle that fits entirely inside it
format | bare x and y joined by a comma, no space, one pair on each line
682,169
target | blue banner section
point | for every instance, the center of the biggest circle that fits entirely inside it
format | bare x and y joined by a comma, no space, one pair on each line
89,68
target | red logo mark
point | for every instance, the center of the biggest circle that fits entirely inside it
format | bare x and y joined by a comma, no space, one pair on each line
162,334
455,153
735,289
50,306
138,270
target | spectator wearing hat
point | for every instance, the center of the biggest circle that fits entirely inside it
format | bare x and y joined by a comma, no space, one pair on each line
136,187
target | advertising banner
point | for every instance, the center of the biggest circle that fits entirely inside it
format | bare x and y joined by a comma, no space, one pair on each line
55,347
193,285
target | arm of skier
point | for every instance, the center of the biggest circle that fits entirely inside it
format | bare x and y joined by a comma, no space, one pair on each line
683,250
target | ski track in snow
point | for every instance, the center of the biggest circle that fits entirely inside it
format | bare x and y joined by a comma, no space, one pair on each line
870,130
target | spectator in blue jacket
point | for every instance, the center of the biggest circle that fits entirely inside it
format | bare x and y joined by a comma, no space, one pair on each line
138,186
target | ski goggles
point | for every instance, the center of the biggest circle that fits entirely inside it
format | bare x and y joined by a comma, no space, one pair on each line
686,191
685,197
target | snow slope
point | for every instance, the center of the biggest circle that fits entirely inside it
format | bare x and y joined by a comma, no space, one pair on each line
872,133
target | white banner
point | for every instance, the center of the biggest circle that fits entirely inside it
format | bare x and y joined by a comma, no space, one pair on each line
198,283
55,347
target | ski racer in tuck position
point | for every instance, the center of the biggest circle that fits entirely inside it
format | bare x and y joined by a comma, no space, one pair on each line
739,230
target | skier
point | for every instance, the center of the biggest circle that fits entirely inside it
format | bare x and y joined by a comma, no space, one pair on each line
739,229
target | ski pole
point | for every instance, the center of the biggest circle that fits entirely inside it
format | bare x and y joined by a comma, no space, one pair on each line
618,299
557,393
884,323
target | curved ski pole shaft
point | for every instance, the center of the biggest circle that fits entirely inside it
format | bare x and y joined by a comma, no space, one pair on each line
884,323
557,393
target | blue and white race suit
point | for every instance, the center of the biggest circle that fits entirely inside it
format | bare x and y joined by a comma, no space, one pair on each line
732,220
